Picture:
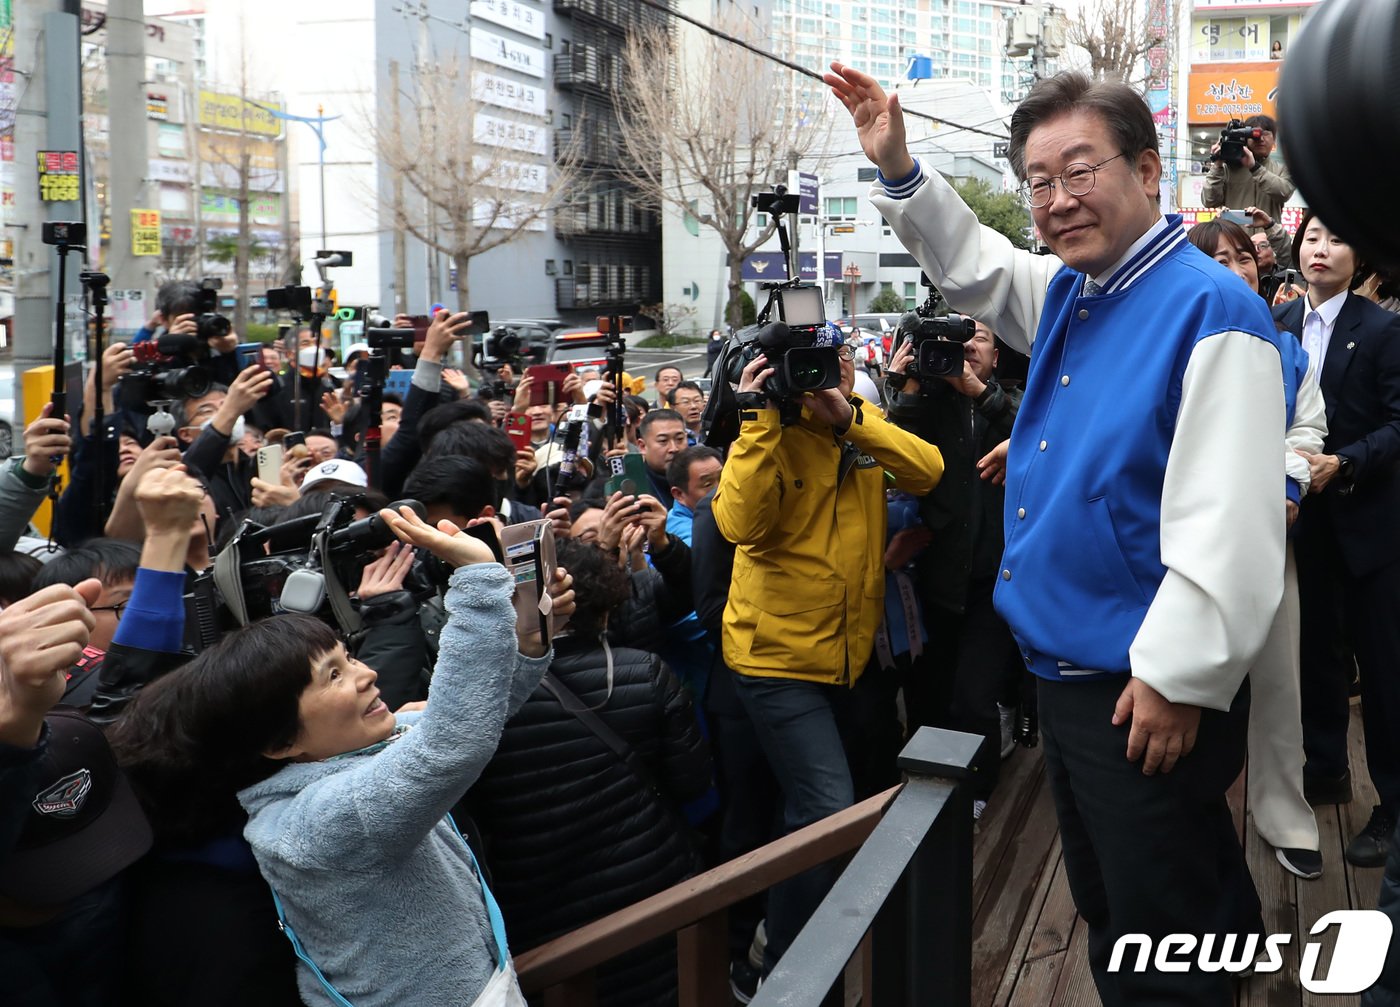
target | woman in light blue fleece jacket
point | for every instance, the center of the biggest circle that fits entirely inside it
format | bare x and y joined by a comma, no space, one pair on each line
347,804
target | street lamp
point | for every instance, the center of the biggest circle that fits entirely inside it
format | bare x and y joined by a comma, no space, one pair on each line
852,275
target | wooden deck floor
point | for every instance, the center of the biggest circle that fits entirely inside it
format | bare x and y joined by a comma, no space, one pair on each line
1029,944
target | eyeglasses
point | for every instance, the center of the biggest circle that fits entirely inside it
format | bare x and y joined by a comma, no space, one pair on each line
116,609
846,352
1078,180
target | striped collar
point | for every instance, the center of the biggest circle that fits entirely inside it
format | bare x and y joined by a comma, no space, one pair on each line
1155,244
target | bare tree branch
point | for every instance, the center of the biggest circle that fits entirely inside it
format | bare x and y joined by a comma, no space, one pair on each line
705,134
472,167
1115,36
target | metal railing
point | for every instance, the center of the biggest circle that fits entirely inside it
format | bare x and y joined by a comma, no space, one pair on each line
902,908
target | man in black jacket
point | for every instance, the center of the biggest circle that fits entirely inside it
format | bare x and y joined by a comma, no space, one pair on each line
973,656
1347,541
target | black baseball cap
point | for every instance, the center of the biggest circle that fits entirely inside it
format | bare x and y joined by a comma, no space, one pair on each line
83,824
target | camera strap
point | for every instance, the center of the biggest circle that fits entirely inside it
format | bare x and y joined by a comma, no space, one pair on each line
341,606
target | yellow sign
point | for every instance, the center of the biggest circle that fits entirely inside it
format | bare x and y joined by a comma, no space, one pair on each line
59,180
230,112
145,232
1222,95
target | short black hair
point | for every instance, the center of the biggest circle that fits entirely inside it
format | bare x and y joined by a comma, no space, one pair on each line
179,408
658,416
1126,114
17,573
678,472
487,444
438,418
1265,122
462,483
600,585
689,385
583,505
667,367
110,560
177,297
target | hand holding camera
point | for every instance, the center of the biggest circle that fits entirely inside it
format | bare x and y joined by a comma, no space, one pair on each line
444,330
386,574
252,384
46,442
755,373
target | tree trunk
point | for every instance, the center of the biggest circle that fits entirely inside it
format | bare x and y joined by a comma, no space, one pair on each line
242,249
463,349
736,287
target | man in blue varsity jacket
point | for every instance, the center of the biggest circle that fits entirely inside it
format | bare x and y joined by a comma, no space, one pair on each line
1144,528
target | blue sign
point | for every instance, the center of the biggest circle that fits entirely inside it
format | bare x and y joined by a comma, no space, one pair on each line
762,266
398,382
807,193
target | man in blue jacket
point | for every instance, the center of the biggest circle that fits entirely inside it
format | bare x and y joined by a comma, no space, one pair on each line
1144,533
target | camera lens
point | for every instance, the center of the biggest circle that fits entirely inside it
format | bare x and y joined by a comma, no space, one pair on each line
186,382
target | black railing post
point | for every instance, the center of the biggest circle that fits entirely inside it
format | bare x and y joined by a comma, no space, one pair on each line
910,884
939,878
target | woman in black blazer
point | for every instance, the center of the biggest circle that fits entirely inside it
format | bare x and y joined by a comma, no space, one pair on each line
1347,538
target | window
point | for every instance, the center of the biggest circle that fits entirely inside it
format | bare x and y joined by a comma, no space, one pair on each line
170,140
911,296
841,207
175,200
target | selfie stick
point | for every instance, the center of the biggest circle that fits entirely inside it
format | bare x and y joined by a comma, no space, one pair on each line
96,284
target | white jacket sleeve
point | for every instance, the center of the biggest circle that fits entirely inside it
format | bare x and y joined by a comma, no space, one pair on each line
1222,526
978,270
1308,431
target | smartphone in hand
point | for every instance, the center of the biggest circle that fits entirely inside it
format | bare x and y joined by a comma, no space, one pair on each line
547,387
270,463
517,426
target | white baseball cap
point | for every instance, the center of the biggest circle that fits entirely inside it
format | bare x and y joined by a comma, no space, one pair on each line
337,469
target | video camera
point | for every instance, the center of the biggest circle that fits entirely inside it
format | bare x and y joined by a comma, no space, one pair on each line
797,342
938,339
1232,141
211,324
301,565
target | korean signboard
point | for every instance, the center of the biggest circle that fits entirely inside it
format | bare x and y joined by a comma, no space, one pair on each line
232,113
1219,96
58,176
145,232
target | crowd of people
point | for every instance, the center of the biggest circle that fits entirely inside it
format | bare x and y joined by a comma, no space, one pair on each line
378,797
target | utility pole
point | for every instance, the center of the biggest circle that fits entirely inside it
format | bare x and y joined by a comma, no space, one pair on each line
48,118
127,166
400,246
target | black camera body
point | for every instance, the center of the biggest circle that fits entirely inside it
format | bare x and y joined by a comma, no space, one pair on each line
269,570
166,369
69,233
291,298
211,324
938,343
798,366
1232,141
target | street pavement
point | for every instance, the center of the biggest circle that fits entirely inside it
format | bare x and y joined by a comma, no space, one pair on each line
690,358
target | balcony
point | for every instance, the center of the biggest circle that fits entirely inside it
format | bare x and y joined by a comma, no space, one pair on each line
593,147
578,221
625,15
582,68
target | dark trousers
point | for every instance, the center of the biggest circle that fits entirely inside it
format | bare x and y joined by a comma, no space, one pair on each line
800,727
971,664
1333,601
1324,649
1148,854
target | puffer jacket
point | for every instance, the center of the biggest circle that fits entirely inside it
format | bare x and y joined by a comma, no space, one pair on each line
806,508
571,834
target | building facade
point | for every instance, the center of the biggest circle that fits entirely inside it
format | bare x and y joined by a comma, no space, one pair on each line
1233,53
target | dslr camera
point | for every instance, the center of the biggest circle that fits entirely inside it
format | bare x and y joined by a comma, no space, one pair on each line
1232,141
212,325
938,339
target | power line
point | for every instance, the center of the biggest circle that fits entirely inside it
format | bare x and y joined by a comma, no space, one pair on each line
798,68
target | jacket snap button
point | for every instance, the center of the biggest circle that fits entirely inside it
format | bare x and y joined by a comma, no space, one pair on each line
1044,445
1006,575
1083,314
1021,513
1064,380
